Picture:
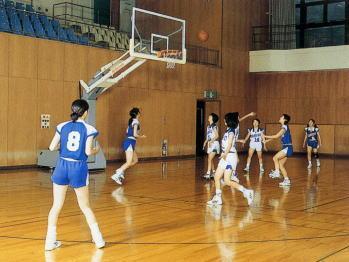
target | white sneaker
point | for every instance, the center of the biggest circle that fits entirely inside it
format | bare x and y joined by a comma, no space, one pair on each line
309,165
248,194
247,169
318,163
234,177
118,177
274,174
97,238
286,182
207,176
216,200
49,245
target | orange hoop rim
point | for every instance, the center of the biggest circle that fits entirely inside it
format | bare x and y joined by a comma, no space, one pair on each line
168,53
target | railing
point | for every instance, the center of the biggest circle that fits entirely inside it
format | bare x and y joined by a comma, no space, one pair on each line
201,55
68,10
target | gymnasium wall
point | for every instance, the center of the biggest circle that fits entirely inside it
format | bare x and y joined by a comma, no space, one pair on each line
41,76
322,95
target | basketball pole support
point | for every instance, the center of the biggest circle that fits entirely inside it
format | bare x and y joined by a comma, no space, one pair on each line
106,77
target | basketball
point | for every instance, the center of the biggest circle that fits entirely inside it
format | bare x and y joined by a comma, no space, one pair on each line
203,36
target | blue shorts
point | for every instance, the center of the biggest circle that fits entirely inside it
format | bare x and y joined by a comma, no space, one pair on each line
313,144
72,173
129,142
288,150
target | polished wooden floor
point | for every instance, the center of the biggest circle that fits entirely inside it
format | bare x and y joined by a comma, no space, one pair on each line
160,214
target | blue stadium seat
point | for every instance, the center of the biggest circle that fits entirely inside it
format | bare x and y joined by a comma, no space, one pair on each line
27,26
39,30
4,23
62,35
71,35
29,8
48,27
83,40
15,23
9,3
20,6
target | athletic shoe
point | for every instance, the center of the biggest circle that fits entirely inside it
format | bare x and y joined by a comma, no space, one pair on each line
234,177
248,194
318,163
274,174
49,246
286,182
216,200
309,165
207,176
247,169
98,240
118,178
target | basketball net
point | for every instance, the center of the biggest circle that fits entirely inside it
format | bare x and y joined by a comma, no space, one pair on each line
170,54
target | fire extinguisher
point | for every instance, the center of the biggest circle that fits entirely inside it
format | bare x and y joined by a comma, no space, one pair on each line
164,148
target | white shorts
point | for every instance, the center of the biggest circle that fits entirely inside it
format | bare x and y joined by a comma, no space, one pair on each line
214,147
256,146
230,162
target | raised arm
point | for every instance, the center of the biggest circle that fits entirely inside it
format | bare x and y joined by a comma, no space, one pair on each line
55,142
279,134
247,116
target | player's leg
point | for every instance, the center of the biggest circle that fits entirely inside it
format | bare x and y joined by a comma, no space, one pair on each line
249,157
82,194
118,177
316,155
59,193
210,158
260,159
309,151
217,198
277,157
286,181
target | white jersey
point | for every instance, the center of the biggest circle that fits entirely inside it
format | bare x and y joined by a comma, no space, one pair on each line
210,132
229,132
255,135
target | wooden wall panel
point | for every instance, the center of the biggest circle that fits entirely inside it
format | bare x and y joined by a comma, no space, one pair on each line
23,57
23,121
76,62
50,60
4,112
342,140
4,54
54,107
70,93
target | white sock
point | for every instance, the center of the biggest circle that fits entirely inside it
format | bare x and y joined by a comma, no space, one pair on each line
309,162
51,233
242,189
218,192
277,171
247,165
261,165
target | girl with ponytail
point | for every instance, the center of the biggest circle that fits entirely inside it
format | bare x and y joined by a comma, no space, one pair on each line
129,145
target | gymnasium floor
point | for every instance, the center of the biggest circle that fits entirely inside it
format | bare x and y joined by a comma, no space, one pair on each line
160,214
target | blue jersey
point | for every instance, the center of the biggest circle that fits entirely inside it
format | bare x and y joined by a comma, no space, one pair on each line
210,132
226,135
129,130
312,134
286,138
73,139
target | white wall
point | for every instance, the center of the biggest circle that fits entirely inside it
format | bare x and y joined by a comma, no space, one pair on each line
307,59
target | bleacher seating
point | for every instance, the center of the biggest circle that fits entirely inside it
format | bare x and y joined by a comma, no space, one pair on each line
20,18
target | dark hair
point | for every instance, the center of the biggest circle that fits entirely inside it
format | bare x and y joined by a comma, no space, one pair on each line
287,118
230,119
259,121
78,107
215,118
315,125
133,114
235,116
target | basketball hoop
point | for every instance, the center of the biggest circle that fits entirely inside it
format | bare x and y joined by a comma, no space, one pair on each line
169,54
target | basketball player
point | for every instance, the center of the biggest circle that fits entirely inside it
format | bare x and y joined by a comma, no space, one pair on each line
212,143
313,140
129,145
227,164
256,136
74,139
287,150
